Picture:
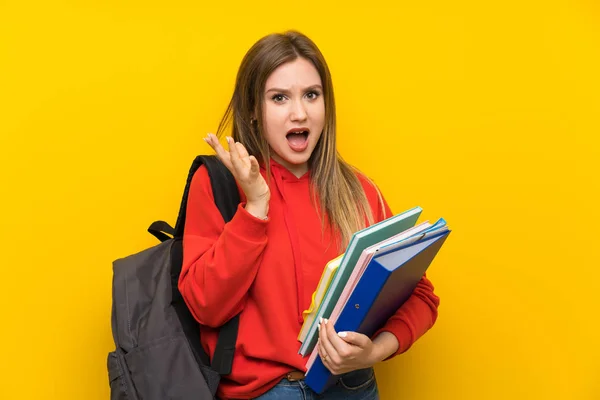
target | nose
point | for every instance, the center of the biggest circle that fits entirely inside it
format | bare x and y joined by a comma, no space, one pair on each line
298,112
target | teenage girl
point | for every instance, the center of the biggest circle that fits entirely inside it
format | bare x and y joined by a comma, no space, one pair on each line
300,204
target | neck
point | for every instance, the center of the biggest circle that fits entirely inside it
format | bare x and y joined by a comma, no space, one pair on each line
298,170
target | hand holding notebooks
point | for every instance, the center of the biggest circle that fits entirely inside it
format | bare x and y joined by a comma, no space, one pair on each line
360,241
383,279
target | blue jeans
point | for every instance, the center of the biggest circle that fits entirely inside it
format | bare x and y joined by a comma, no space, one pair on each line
355,385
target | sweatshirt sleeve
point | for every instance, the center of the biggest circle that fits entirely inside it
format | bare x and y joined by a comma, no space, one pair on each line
418,314
220,260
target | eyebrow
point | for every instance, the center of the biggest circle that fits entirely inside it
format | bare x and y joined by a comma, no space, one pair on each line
286,91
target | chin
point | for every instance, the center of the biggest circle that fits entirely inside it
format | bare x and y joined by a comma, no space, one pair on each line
297,159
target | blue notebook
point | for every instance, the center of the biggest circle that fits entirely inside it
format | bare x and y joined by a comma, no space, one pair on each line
360,241
387,282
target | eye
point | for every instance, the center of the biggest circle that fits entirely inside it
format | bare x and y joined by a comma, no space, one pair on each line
278,98
313,95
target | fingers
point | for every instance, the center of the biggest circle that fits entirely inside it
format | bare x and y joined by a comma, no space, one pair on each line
326,344
324,349
354,338
239,156
322,353
241,150
325,356
244,156
337,356
237,159
326,360
342,348
223,154
254,167
234,154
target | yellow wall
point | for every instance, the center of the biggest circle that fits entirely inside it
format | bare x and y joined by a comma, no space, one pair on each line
486,114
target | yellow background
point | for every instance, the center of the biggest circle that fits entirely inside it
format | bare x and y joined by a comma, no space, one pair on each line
484,113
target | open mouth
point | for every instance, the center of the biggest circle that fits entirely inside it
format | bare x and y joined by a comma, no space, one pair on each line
298,139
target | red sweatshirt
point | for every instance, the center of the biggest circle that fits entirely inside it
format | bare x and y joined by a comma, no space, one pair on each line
268,270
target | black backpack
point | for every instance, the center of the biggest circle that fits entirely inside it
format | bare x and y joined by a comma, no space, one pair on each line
158,352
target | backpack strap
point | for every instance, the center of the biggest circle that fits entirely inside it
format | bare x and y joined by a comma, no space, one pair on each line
223,185
161,230
225,192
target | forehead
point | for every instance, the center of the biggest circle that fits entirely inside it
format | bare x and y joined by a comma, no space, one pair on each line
299,73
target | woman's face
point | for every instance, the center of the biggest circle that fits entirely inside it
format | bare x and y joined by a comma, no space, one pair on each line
294,113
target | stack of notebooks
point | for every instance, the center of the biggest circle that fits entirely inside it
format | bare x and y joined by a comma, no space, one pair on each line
362,288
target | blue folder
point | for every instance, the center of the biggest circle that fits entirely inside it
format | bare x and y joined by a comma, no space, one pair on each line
387,282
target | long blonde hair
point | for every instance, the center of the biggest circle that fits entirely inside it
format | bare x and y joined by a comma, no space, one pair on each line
334,182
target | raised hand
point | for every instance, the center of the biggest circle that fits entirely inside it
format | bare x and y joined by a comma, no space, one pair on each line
246,171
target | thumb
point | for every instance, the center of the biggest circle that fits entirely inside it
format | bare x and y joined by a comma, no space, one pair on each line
357,339
254,167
